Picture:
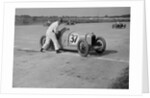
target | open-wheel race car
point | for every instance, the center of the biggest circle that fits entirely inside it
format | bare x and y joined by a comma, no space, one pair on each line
119,26
83,42
70,23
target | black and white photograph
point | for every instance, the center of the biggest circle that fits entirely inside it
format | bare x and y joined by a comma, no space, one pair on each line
72,48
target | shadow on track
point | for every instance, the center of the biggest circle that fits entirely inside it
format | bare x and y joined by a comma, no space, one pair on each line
93,53
107,52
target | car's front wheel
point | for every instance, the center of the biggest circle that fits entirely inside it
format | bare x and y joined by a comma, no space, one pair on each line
100,44
83,48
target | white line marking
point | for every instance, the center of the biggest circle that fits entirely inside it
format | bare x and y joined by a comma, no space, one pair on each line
68,53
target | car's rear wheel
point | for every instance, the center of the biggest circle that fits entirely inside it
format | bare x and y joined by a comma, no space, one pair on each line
83,48
50,46
100,44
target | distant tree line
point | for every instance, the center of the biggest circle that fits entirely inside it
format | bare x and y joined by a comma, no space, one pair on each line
27,20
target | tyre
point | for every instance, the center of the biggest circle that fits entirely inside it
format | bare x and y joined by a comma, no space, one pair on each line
101,43
121,25
50,46
83,48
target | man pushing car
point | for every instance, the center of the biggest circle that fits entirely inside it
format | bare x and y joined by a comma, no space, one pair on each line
51,35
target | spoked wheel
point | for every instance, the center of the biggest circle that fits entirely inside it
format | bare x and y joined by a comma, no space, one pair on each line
83,48
100,45
50,46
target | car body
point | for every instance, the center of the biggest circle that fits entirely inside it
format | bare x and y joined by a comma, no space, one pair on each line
83,42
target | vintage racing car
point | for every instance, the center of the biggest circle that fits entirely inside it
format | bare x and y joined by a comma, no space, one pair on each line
83,42
119,25
70,23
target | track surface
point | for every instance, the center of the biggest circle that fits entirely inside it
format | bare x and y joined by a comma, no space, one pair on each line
68,69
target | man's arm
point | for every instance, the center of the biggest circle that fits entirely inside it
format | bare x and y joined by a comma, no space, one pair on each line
55,28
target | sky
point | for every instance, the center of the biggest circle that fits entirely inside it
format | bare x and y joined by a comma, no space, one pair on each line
110,11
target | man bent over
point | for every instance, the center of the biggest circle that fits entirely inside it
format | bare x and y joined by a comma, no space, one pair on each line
51,35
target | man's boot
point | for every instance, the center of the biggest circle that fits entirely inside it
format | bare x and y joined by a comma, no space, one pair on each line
58,51
41,50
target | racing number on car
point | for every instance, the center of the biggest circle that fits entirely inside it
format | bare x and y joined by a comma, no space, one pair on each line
73,39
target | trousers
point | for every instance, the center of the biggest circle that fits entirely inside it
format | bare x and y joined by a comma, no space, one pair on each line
51,36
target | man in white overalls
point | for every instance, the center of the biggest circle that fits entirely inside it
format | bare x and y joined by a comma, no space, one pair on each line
51,35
